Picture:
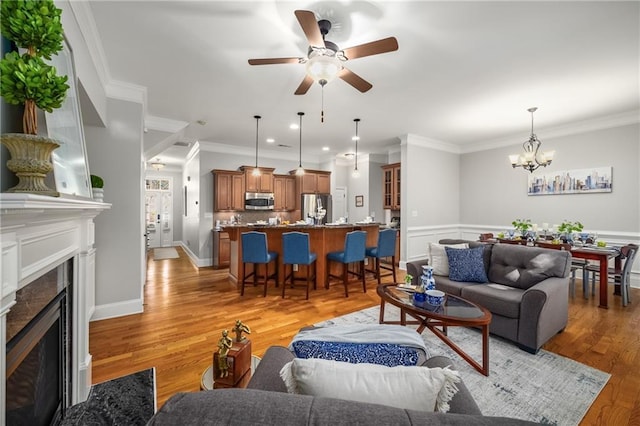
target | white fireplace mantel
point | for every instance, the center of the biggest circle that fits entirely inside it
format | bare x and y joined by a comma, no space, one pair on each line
38,233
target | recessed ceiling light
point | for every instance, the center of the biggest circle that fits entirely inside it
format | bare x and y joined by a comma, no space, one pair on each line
270,140
294,126
325,148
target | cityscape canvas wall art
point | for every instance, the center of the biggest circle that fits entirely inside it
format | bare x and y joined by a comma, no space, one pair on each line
577,181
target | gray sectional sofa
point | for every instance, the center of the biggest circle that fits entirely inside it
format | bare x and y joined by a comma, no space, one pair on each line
266,402
527,292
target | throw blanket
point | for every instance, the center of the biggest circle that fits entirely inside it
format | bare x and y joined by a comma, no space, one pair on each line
389,345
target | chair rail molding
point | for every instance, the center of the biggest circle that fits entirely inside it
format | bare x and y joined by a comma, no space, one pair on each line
416,242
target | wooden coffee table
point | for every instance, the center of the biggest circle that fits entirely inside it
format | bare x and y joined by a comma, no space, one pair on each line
455,311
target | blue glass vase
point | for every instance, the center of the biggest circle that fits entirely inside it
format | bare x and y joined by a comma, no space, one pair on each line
426,279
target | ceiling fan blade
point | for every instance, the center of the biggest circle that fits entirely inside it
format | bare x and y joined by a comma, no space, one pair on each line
355,80
307,20
304,86
269,61
373,48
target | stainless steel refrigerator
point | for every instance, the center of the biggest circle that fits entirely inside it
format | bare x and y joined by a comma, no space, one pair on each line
310,204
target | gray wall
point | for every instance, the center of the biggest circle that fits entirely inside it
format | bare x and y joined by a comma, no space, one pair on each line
493,193
115,154
430,185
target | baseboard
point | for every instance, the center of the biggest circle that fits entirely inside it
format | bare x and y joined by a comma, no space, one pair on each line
119,309
83,382
200,263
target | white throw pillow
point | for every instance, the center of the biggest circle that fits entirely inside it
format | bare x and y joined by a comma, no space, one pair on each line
415,388
438,257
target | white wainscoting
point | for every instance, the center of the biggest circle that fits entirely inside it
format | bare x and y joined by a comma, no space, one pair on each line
416,242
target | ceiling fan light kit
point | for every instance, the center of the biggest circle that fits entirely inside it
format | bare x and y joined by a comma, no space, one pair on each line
324,61
531,160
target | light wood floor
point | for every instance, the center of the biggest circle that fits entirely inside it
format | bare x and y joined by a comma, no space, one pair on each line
187,308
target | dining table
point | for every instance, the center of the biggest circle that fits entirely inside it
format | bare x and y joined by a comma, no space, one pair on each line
602,255
589,252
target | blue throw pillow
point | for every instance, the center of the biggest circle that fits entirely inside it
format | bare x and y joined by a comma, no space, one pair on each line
466,264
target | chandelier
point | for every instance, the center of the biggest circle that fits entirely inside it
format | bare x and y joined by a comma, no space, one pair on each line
532,159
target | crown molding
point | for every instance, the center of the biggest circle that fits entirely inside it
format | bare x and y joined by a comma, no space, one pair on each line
164,124
84,18
127,92
608,122
412,139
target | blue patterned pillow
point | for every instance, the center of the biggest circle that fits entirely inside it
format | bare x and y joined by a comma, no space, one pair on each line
387,354
466,264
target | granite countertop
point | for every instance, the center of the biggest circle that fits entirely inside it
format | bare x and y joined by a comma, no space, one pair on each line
295,225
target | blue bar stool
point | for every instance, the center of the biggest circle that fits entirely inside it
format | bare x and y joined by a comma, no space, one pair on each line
255,251
386,248
354,251
296,250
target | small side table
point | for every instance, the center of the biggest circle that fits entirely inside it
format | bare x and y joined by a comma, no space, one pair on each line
207,381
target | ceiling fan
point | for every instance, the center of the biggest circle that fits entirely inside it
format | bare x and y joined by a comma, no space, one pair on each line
324,60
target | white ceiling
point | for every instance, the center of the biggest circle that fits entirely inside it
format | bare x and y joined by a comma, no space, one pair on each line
465,72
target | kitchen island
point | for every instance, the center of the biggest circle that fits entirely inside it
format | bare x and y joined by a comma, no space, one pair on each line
323,239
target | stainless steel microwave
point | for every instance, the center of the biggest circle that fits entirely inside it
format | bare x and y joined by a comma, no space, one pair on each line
258,201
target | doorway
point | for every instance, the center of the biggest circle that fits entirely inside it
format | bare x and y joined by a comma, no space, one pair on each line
158,209
339,202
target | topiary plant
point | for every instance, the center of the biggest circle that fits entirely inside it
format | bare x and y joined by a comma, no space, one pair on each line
96,182
26,79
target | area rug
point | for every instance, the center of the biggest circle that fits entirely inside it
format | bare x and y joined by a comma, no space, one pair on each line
128,400
165,253
544,388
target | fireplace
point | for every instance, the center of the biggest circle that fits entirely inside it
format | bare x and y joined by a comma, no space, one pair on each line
47,298
38,385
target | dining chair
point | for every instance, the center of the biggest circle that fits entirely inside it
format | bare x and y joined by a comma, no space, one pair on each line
354,252
386,248
623,277
256,252
579,264
296,251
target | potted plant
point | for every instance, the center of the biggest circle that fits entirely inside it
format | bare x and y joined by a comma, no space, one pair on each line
26,79
97,185
567,228
522,225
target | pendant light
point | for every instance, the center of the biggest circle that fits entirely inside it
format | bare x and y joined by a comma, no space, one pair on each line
531,159
256,171
300,170
356,173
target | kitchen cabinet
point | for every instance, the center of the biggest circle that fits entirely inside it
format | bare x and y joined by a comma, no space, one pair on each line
221,249
261,183
314,182
391,186
284,193
229,190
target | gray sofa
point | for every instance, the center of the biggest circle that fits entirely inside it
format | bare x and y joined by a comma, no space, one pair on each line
529,304
266,402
